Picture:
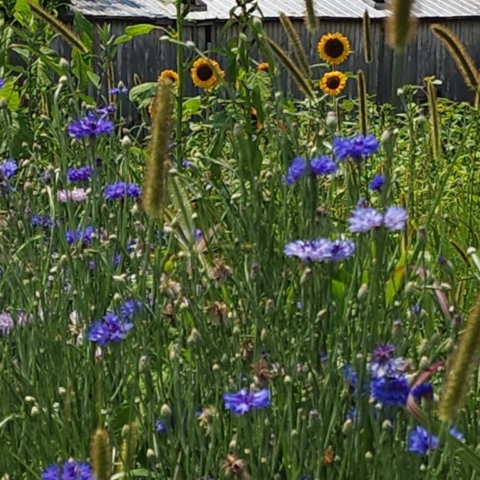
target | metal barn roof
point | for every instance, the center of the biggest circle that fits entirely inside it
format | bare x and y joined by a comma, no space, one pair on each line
220,9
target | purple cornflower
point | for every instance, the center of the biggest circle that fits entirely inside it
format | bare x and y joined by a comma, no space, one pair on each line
90,126
106,110
2,83
295,170
395,218
120,90
364,219
244,401
130,308
390,390
80,174
119,190
6,323
384,363
377,183
309,250
110,330
70,470
8,168
350,376
323,166
341,250
76,195
356,148
85,235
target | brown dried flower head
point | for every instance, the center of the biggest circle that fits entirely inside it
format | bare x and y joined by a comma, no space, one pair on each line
217,312
221,272
235,466
262,373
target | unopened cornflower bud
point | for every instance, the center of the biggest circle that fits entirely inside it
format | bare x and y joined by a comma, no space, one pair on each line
362,293
151,454
34,411
347,426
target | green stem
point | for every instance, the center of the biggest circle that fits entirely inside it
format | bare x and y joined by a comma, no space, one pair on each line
181,77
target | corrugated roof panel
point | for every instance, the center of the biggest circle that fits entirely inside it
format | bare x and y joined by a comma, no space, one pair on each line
220,9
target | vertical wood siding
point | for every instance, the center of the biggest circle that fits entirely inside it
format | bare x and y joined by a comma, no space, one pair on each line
147,56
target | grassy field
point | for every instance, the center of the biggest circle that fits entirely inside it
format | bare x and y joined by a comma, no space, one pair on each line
240,284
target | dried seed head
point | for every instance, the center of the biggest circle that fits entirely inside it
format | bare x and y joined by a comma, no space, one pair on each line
235,466
401,25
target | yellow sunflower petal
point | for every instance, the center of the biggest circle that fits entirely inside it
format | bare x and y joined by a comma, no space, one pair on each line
334,48
333,83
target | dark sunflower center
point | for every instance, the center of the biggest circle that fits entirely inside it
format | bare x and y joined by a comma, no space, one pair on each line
334,48
204,73
333,82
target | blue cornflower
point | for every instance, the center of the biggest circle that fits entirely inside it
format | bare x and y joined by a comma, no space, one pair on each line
420,441
390,390
422,390
295,170
90,126
70,470
377,182
2,83
8,168
160,426
364,219
85,235
356,148
120,90
323,166
243,401
110,330
130,308
395,218
119,190
350,376
105,111
79,174
416,309
45,221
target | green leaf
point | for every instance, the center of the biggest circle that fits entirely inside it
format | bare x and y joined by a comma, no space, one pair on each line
12,97
191,107
137,30
94,78
348,105
84,29
396,280
139,472
80,68
143,94
122,39
22,12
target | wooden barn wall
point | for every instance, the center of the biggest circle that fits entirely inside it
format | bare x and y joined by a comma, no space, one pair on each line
146,56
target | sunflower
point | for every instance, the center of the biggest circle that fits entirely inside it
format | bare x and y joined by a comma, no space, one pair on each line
332,83
171,74
255,120
263,67
334,48
206,73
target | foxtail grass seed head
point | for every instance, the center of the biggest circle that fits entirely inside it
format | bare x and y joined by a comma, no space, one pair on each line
311,19
58,26
461,57
457,380
101,455
367,38
158,163
401,25
362,102
302,82
297,45
434,120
